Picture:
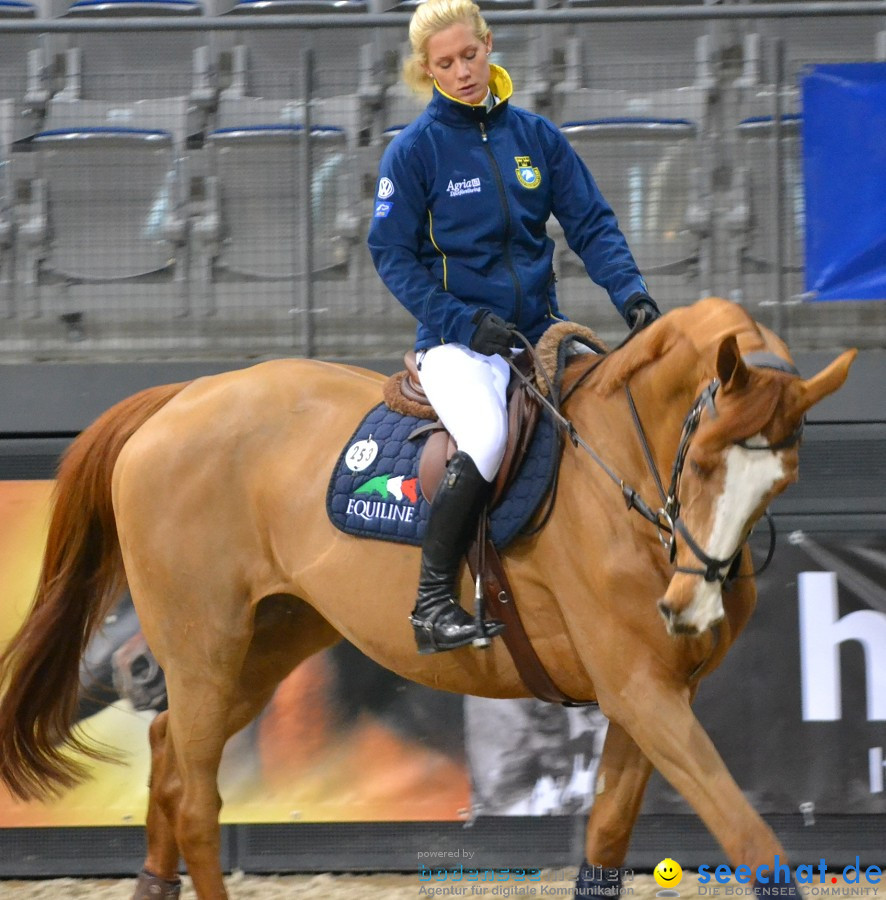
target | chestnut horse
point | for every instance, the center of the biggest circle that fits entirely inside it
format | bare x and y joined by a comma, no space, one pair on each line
208,500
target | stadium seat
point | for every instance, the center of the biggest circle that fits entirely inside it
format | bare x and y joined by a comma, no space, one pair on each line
128,66
255,74
24,76
591,4
276,57
401,105
485,5
752,133
297,7
7,218
257,203
644,154
107,203
756,135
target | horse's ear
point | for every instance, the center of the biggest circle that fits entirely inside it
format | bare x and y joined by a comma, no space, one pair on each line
828,380
731,370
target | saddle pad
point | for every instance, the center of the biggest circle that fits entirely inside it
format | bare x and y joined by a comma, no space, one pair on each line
374,490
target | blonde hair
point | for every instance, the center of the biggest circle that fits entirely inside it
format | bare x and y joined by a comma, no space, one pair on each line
428,19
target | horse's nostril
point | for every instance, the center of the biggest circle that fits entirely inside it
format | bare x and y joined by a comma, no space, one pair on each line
666,612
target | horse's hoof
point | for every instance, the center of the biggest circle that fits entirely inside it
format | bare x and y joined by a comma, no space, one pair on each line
151,887
597,882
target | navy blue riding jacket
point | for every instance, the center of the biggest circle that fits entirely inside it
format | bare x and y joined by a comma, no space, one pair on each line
459,218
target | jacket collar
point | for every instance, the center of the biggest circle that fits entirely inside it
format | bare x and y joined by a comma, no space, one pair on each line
456,112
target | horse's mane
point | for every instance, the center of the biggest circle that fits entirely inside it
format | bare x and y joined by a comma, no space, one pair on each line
693,333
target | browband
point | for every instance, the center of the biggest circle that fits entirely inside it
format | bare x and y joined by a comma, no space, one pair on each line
764,359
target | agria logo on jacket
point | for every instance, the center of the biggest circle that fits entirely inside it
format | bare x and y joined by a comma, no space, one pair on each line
527,174
465,186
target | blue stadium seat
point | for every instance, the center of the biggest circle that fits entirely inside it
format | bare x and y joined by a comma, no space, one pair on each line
7,217
485,5
130,8
24,76
400,106
271,63
257,207
129,66
297,7
645,155
17,9
759,188
110,193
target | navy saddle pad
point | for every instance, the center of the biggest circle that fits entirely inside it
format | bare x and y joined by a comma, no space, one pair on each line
374,490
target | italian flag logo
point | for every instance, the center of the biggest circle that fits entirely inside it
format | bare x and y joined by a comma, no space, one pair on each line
391,487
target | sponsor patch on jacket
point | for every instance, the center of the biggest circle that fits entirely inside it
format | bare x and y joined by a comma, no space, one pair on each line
527,174
385,188
382,209
467,186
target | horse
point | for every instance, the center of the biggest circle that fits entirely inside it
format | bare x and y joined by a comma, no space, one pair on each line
207,499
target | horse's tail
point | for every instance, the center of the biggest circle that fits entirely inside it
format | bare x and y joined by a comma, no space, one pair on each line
81,578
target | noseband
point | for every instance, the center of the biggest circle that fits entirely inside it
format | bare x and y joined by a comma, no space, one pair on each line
668,520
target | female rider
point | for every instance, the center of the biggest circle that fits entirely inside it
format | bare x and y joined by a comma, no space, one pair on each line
458,236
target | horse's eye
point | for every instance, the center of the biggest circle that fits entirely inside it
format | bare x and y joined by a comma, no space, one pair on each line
698,468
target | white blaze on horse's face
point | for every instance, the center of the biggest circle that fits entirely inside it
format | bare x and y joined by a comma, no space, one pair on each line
750,477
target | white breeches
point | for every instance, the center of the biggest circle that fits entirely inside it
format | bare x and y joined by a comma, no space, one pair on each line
468,391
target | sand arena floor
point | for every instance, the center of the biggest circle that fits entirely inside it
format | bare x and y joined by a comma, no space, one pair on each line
333,887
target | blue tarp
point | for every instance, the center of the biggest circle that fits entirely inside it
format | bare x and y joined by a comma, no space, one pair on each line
844,148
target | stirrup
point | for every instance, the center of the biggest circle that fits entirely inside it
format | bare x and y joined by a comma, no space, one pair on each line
426,640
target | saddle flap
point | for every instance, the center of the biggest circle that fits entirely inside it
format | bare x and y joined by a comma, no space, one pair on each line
438,450
523,412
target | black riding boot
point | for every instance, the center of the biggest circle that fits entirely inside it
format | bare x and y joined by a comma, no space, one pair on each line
440,622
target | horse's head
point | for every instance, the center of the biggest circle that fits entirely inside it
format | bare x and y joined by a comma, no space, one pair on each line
739,450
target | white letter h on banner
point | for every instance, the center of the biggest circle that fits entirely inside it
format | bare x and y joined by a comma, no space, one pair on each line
821,633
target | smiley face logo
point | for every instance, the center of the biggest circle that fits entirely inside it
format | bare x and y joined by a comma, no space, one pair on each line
668,873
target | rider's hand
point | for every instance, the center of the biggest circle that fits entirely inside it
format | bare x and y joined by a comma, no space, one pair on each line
641,308
492,334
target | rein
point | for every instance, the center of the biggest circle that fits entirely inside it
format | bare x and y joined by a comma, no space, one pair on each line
667,518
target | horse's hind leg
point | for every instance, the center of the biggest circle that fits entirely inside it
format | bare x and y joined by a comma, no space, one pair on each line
159,880
621,781
208,704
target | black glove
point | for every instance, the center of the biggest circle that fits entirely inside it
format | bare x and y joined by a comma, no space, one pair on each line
641,309
492,334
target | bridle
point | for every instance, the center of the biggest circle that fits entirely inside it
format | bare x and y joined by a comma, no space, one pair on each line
667,518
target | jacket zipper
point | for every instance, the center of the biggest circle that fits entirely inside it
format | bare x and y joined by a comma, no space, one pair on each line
518,293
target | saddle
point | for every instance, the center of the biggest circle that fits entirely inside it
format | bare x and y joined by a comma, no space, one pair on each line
523,412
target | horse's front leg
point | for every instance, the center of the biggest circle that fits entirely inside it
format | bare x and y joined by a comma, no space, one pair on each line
621,781
656,712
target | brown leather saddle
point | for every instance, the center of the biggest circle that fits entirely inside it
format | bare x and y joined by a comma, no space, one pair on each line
523,412
403,393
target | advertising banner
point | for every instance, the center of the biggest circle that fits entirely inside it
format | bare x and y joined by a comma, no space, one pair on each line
798,710
844,147
342,740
